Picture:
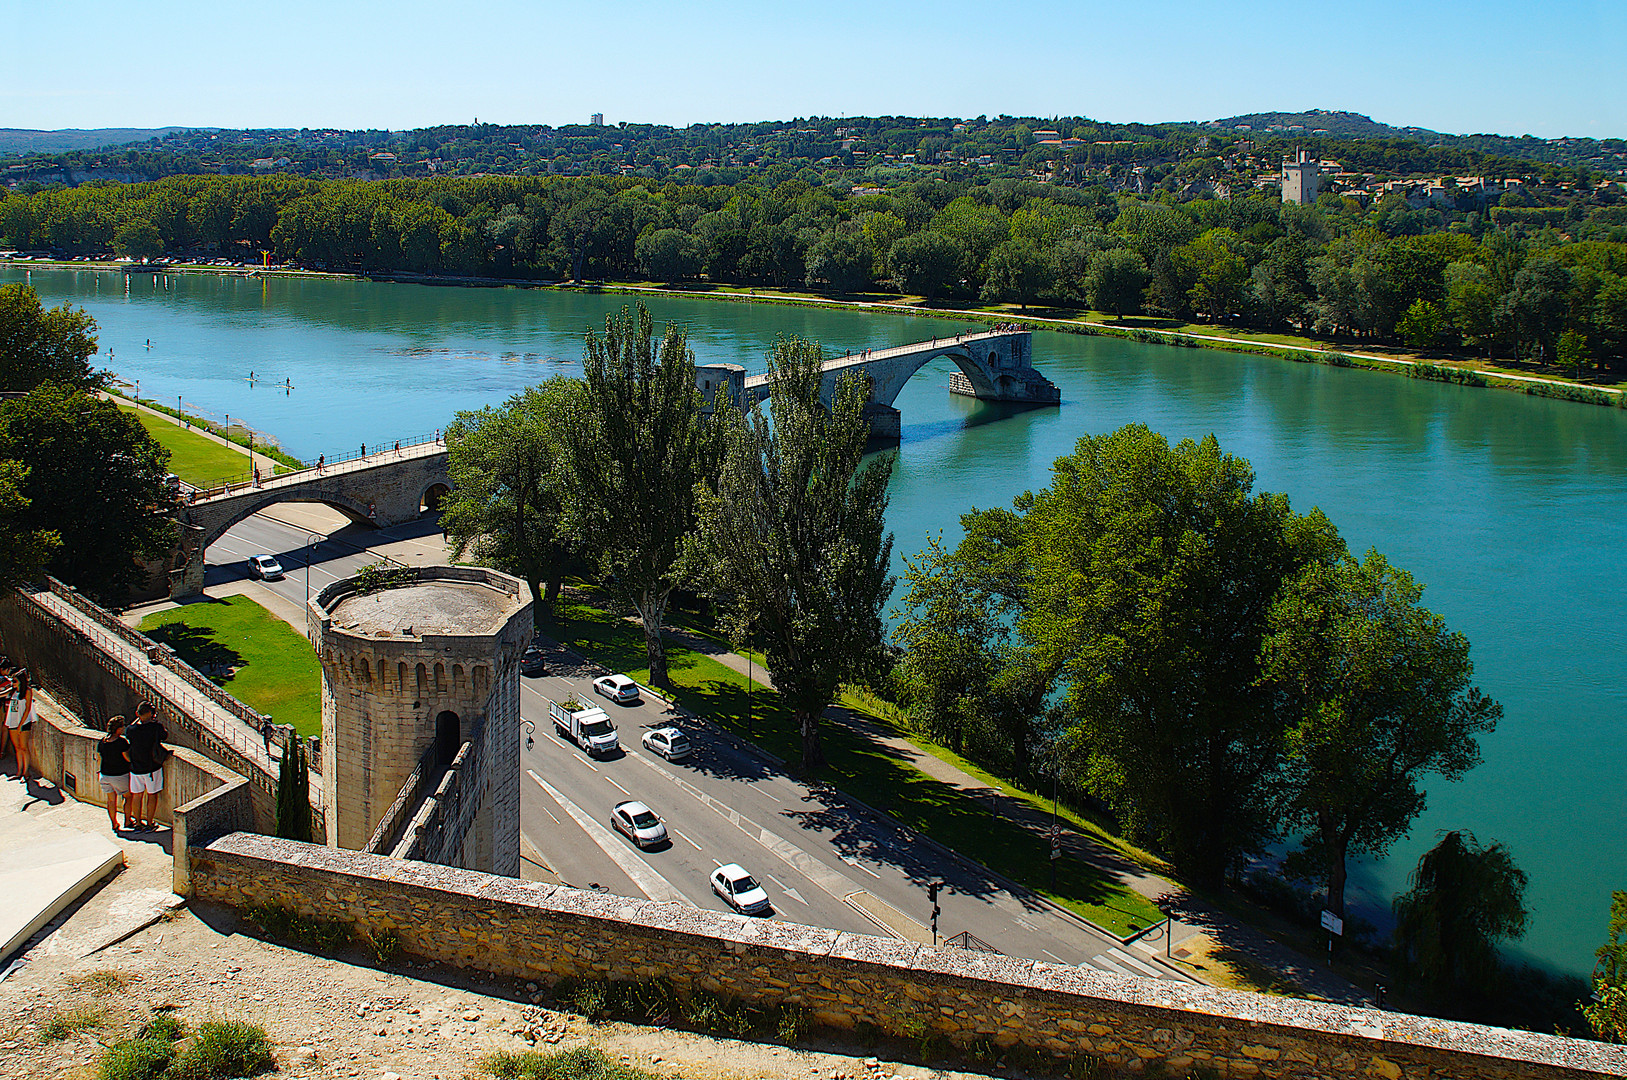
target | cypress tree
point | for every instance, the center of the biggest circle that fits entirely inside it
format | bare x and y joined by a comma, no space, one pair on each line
293,793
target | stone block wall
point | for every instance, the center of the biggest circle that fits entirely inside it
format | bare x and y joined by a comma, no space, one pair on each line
65,754
544,932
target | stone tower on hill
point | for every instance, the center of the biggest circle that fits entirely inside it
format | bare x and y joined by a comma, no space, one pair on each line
421,713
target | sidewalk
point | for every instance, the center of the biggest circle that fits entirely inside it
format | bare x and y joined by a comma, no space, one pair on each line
1199,929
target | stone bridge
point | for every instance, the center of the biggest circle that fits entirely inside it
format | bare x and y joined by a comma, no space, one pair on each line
995,366
389,487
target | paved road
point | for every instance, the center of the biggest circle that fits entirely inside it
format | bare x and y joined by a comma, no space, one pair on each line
820,863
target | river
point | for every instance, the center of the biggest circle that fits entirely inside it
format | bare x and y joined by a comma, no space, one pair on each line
1510,509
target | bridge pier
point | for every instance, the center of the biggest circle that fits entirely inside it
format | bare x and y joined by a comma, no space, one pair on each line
886,423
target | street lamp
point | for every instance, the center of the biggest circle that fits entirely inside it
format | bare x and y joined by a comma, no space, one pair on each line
311,541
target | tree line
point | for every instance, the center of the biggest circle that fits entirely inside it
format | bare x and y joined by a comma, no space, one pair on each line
1541,282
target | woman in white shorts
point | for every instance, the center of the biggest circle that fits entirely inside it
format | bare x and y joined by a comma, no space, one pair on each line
20,721
114,751
147,753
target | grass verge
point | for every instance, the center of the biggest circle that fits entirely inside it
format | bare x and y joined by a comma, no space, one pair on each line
948,815
70,1022
580,1063
259,658
192,457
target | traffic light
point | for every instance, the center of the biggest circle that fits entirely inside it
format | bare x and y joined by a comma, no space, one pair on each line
932,892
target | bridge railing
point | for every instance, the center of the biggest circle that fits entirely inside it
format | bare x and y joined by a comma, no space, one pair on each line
242,481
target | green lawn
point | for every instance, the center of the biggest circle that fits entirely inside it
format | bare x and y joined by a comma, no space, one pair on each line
193,457
948,815
273,668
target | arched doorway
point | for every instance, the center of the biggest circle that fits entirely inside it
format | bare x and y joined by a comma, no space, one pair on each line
433,498
448,737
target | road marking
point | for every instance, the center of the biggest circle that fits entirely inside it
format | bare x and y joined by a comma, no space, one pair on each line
855,864
550,813
1106,963
786,889
1022,922
1053,956
1146,969
588,763
690,842
643,875
619,788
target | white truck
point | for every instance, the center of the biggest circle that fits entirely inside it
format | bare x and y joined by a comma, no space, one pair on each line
588,726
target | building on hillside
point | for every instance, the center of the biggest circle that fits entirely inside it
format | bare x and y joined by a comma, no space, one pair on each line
1301,178
596,120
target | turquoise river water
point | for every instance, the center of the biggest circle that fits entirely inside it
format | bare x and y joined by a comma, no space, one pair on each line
1511,510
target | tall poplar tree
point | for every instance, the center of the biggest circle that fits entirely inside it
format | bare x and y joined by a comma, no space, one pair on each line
637,446
794,539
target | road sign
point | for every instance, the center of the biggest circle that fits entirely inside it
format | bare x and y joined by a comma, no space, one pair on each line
1332,923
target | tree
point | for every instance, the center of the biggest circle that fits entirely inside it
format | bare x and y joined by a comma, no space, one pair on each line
1421,326
841,258
95,477
1464,899
39,346
1018,270
1376,690
669,255
1471,303
1536,305
138,240
1571,352
1150,575
1607,1013
927,263
24,550
294,792
635,450
1115,281
794,539
1215,263
507,501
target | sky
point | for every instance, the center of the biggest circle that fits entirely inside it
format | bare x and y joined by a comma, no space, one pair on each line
1546,69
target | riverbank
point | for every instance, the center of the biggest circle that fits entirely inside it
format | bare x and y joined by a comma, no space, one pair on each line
1448,368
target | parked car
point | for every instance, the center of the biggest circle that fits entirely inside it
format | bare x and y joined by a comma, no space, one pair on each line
669,742
618,688
533,661
639,823
740,890
265,568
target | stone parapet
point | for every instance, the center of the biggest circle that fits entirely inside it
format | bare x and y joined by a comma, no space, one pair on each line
545,933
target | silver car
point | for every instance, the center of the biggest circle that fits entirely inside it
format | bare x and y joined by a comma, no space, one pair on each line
740,890
639,823
618,688
265,568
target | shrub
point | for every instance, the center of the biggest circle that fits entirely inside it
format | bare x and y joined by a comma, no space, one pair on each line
222,1050
384,945
581,1063
136,1059
61,1025
163,1026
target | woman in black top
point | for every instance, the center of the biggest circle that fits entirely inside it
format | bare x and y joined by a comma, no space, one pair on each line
114,750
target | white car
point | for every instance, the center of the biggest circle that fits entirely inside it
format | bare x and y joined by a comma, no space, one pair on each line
669,742
265,568
618,688
740,890
639,823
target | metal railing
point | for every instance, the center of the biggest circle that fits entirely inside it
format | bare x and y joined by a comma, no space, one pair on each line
227,485
967,940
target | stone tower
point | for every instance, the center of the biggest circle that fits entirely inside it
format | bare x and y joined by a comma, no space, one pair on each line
423,667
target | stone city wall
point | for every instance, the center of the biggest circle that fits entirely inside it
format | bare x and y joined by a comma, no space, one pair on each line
534,931
65,754
93,685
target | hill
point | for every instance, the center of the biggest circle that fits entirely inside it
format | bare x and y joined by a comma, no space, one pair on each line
30,141
1324,122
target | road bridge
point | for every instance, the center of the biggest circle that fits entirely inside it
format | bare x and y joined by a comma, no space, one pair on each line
996,365
387,487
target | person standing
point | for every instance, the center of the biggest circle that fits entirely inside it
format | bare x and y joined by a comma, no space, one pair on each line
147,754
7,685
20,720
114,750
266,729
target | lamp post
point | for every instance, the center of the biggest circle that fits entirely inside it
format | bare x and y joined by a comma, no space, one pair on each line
311,541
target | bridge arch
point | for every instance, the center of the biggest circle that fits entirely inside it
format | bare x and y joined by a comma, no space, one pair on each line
887,385
433,497
217,527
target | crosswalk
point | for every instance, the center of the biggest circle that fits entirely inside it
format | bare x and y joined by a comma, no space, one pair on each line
1119,962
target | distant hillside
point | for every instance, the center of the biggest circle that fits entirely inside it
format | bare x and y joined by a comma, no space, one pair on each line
28,141
1347,125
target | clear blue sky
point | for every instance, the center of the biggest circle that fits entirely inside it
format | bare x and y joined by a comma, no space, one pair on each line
1549,69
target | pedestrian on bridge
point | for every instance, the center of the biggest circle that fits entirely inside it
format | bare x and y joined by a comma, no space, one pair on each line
364,449
321,459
